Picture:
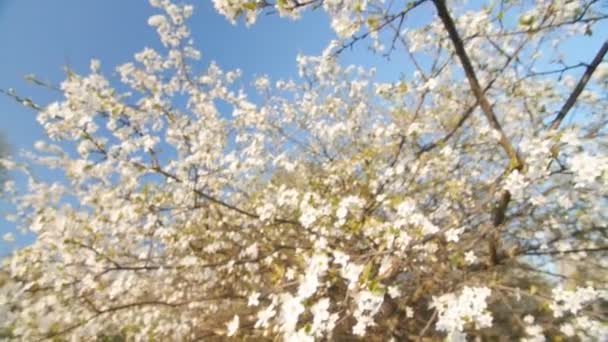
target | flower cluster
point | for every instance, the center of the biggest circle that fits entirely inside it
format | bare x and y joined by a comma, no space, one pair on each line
470,307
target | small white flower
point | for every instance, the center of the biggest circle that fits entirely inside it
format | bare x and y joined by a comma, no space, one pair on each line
157,20
565,202
291,308
233,326
529,319
323,320
368,305
266,211
587,168
409,312
341,213
601,73
253,299
189,261
394,291
346,206
430,84
251,251
470,257
8,237
495,134
351,273
264,316
262,83
535,333
453,235
340,258
95,65
567,329
290,274
516,183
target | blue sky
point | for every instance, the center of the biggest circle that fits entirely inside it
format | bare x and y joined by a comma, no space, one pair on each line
41,37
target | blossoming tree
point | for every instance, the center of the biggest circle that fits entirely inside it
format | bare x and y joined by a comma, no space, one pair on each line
467,199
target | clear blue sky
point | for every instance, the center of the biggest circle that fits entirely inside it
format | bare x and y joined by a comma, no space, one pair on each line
41,36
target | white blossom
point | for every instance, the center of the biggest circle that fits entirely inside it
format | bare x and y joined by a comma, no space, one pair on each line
233,326
253,299
8,237
470,257
455,310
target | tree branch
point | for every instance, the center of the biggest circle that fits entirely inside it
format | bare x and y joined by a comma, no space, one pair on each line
516,162
485,105
580,86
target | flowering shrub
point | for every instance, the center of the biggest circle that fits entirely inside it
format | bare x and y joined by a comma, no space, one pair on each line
466,199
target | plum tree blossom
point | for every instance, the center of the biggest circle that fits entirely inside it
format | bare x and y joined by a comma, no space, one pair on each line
233,326
469,307
465,200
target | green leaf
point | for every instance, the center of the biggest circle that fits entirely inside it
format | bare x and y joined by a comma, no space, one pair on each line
358,7
526,20
251,5
366,273
372,23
